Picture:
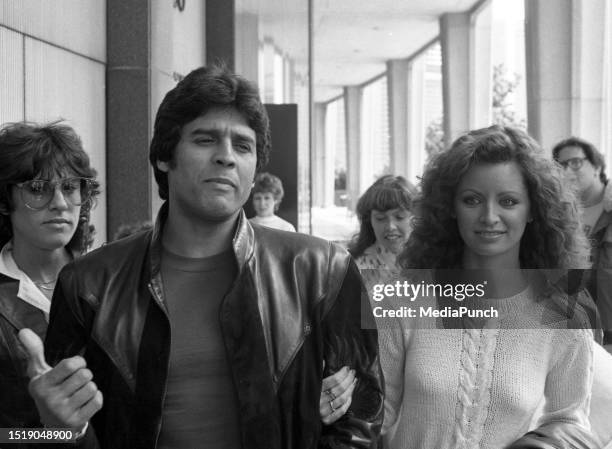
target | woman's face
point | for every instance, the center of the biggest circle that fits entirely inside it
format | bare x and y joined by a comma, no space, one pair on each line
48,228
391,227
492,208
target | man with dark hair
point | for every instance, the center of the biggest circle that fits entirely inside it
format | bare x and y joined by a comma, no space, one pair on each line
586,168
205,331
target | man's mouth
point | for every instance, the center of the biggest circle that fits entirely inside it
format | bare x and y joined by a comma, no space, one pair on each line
224,181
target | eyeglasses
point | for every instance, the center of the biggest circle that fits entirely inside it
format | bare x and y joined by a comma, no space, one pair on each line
38,193
575,163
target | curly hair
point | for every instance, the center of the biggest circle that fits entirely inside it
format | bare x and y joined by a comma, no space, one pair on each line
590,152
269,183
387,192
201,90
553,239
30,150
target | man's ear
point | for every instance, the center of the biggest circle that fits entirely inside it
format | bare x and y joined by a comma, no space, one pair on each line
163,166
597,172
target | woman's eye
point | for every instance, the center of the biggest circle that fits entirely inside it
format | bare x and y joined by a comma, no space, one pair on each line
471,200
508,202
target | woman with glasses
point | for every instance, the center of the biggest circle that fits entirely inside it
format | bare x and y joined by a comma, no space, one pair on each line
46,190
586,169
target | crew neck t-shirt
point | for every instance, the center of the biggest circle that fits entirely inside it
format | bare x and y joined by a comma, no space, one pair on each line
200,407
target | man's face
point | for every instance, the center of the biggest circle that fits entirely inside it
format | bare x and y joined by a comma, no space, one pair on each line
211,175
586,176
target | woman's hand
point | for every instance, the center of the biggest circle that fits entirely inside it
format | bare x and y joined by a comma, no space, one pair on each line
336,395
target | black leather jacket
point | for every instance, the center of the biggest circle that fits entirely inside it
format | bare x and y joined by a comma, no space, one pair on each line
17,408
296,302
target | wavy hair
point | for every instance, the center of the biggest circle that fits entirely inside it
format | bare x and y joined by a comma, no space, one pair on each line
268,183
553,239
387,192
590,152
201,90
30,150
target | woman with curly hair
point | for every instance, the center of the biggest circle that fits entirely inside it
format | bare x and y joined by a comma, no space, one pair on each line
493,207
47,187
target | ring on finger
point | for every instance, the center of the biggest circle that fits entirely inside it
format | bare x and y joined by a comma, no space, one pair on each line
331,405
330,393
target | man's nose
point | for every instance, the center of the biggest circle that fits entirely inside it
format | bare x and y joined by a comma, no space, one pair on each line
224,153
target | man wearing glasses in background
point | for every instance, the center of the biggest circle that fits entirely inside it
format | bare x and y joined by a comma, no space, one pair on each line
585,167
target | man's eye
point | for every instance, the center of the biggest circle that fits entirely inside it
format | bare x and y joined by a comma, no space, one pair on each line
204,140
243,147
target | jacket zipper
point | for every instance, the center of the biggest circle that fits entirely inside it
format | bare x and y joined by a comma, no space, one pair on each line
165,390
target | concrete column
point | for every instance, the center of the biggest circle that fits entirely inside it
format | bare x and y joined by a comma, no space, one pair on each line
220,36
352,113
247,46
397,100
319,150
455,45
481,68
128,121
416,120
268,67
564,43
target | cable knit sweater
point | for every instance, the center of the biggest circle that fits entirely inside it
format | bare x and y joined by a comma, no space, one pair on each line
481,388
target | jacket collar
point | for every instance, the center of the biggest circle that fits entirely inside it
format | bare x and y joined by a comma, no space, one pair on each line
28,291
242,242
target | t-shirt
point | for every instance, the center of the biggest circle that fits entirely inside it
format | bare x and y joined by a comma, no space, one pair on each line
200,408
273,221
590,215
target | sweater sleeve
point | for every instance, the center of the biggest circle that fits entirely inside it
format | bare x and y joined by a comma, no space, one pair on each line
565,422
570,379
392,361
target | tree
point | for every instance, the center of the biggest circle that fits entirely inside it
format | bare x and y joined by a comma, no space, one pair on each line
434,138
503,90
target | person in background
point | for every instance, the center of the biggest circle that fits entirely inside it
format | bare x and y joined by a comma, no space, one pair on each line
47,189
586,169
267,195
385,214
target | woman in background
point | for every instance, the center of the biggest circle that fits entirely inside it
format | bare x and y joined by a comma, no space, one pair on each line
47,187
385,214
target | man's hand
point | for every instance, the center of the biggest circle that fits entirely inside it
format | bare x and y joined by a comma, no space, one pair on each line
336,395
65,395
